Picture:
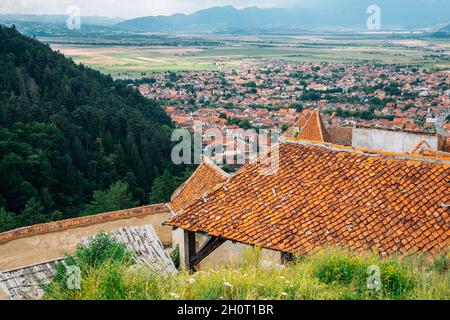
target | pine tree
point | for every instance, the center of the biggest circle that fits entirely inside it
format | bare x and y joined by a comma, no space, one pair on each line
117,197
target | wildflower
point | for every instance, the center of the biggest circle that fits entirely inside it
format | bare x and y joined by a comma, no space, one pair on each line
191,280
227,284
284,294
174,295
283,277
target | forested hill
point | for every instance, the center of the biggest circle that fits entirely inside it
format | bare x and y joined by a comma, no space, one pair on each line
67,131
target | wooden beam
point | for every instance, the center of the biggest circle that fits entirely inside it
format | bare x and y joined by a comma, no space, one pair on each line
189,247
208,247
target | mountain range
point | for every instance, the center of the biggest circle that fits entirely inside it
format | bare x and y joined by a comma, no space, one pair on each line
58,19
323,15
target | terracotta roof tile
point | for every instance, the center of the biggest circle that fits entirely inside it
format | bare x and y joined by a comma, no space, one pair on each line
207,175
294,129
314,129
326,195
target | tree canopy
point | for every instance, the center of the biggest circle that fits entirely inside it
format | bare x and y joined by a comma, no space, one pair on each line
67,131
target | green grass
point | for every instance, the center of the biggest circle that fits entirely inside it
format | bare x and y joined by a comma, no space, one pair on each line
330,274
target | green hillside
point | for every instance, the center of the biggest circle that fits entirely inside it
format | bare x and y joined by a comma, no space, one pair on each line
67,131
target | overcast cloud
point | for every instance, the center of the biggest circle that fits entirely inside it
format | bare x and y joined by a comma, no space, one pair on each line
134,8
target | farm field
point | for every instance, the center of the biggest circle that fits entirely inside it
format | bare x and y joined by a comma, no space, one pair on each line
133,61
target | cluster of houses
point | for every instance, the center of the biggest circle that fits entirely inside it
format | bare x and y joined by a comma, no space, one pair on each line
267,94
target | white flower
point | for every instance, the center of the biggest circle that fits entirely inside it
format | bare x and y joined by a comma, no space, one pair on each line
174,295
282,277
227,284
284,294
191,280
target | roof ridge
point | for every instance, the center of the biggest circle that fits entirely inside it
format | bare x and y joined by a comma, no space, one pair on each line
314,129
215,167
206,162
319,124
371,152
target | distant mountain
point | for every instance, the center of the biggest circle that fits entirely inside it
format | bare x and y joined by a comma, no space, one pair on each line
322,15
59,19
443,32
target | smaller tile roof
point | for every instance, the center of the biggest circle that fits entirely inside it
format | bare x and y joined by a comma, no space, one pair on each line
26,283
315,129
331,195
424,149
81,221
207,175
294,129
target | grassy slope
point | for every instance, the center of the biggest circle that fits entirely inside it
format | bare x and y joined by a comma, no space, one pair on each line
329,274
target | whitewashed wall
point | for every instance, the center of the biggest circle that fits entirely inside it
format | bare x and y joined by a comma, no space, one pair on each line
390,141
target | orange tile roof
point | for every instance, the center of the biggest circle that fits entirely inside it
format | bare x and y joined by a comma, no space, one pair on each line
81,222
326,195
207,175
314,129
304,116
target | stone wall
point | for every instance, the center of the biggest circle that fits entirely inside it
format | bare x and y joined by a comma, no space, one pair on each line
29,246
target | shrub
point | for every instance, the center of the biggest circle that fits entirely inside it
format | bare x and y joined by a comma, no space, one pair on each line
101,249
396,280
175,256
442,263
100,254
339,267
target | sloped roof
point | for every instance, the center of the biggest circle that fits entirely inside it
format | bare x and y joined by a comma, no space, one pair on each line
314,129
207,175
421,146
330,195
25,283
81,221
296,127
424,149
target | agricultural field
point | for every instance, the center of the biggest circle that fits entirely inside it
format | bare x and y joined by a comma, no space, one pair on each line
123,61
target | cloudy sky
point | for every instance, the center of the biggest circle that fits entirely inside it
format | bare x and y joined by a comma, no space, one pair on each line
133,8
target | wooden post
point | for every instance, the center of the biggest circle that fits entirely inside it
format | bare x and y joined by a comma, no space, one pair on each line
189,248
